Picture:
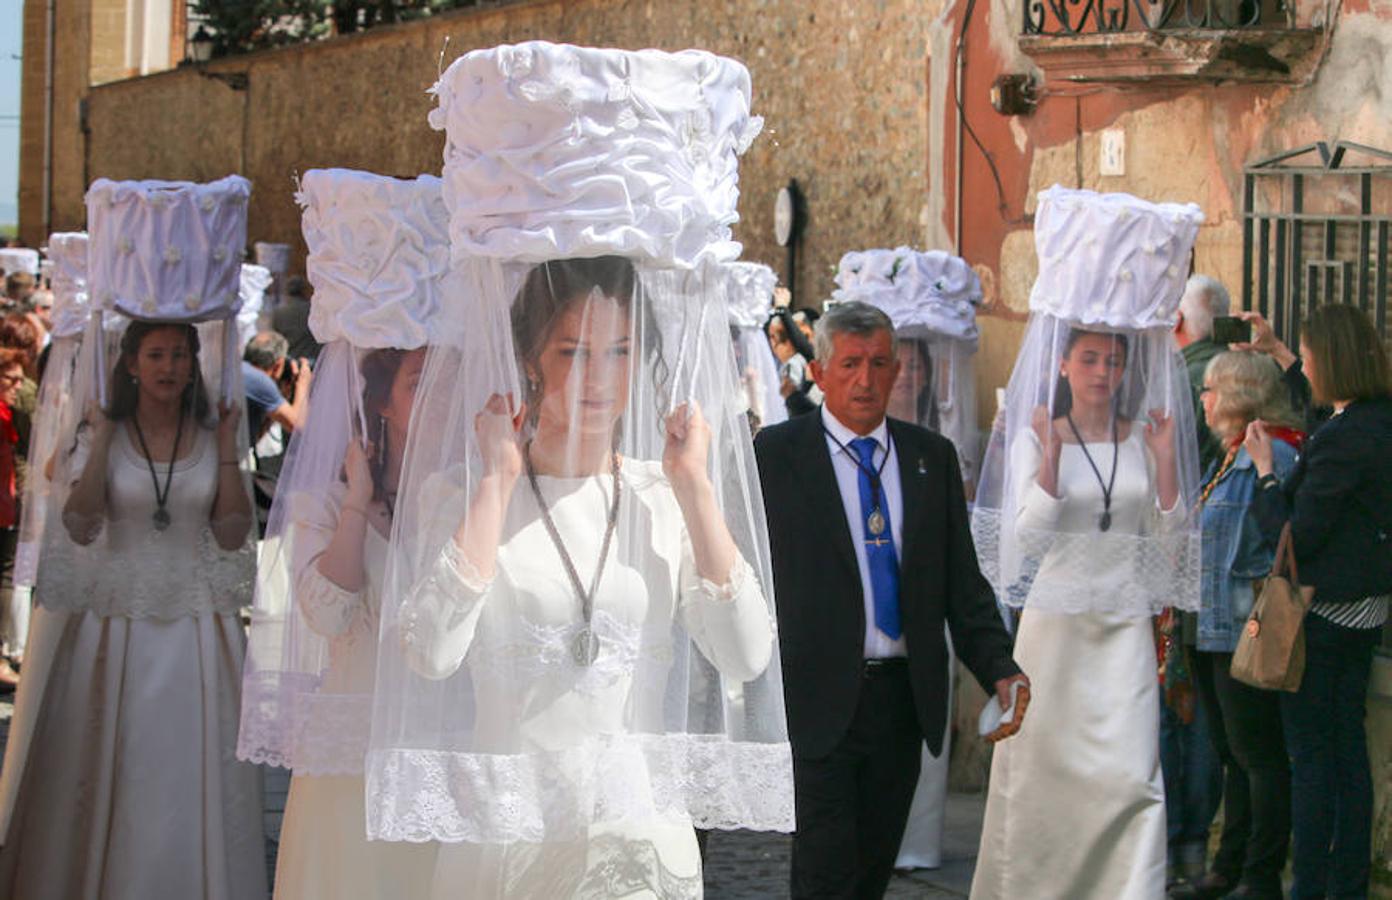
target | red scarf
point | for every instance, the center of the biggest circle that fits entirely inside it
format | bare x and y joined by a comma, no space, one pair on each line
1292,436
9,439
8,434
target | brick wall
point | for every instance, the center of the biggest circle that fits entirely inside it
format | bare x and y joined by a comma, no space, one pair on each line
842,92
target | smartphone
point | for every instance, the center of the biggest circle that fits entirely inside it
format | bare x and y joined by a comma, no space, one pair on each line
1231,330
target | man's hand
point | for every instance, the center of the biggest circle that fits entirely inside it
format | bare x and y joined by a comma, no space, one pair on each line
1021,704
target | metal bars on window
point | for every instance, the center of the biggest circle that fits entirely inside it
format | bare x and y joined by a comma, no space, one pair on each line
1317,228
1074,17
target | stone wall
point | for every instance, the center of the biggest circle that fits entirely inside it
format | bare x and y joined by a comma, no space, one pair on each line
840,84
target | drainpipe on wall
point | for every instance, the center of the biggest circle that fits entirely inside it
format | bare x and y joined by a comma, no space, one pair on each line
960,51
48,122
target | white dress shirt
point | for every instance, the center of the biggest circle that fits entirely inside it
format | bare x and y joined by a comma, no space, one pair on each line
878,645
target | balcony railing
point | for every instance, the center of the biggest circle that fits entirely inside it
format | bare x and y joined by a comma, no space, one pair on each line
1078,17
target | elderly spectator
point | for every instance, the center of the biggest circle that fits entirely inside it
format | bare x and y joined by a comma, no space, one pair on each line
291,319
14,438
1338,503
19,287
266,366
1204,300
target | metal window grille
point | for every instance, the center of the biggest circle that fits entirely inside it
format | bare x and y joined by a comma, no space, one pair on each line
1074,17
1316,229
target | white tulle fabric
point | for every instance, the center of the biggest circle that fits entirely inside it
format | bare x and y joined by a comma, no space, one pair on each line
378,248
167,250
68,251
1034,545
1111,260
19,259
128,566
377,255
749,302
929,293
556,151
485,728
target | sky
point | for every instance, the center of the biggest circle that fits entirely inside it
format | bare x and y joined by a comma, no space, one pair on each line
11,33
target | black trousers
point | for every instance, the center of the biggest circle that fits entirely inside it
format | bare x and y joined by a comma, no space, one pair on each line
853,803
1245,726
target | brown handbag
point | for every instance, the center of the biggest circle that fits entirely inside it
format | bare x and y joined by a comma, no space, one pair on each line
1270,652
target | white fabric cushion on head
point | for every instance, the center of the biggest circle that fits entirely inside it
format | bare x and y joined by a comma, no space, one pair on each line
378,251
1111,260
924,294
68,251
167,250
254,281
19,259
749,297
557,151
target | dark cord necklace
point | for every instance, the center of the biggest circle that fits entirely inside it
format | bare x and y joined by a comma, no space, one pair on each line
875,522
585,647
161,516
1105,520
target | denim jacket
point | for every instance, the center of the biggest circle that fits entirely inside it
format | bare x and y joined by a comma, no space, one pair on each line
1234,550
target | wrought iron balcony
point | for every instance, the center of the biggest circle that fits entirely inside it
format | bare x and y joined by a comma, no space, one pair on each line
1075,17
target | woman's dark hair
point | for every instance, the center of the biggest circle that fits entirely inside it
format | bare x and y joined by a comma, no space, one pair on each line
548,291
379,370
1063,395
17,332
1350,359
124,392
926,399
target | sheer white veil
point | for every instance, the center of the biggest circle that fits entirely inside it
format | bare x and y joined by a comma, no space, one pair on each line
1112,269
378,254
750,301
577,627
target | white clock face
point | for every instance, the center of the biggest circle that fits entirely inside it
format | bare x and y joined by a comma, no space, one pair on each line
783,217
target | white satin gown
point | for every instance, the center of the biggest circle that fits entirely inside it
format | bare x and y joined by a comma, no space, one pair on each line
324,852
1076,805
121,771
515,635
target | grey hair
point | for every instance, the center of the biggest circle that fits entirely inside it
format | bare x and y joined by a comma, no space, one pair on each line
850,317
266,349
1204,299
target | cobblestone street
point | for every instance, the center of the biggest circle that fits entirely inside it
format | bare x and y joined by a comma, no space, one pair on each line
740,865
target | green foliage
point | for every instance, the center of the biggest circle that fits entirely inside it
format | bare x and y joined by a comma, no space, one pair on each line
239,26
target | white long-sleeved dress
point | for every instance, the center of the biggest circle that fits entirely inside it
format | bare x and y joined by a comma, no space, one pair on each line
1076,806
125,783
324,852
599,728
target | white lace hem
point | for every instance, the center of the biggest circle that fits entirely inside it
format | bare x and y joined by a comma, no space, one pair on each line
298,728
421,795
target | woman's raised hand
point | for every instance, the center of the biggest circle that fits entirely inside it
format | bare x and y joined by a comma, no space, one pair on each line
688,446
1159,434
229,414
499,428
1258,444
358,473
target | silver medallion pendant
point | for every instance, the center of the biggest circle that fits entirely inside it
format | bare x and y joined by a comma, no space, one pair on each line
161,518
585,647
1105,521
876,522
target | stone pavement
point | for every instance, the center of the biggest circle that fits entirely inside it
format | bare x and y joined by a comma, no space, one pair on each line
740,865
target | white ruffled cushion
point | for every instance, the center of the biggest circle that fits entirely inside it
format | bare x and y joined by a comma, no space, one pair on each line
167,250
1111,260
19,259
556,151
924,294
68,251
749,293
378,250
254,281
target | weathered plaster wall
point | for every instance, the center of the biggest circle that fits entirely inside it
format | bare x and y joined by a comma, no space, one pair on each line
840,84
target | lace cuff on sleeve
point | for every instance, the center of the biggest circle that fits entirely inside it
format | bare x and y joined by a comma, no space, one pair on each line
328,609
730,623
440,615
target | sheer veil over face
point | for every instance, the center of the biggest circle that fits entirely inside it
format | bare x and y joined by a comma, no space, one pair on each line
1091,474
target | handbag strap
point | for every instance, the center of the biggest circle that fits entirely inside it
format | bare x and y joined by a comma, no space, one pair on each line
1285,558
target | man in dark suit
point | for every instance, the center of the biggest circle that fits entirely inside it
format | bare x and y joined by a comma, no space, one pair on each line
872,553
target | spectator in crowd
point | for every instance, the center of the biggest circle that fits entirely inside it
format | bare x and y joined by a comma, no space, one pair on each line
14,437
19,287
790,336
1338,503
270,376
1244,722
291,319
1193,773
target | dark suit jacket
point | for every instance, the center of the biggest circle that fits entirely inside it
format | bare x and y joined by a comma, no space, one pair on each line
821,613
